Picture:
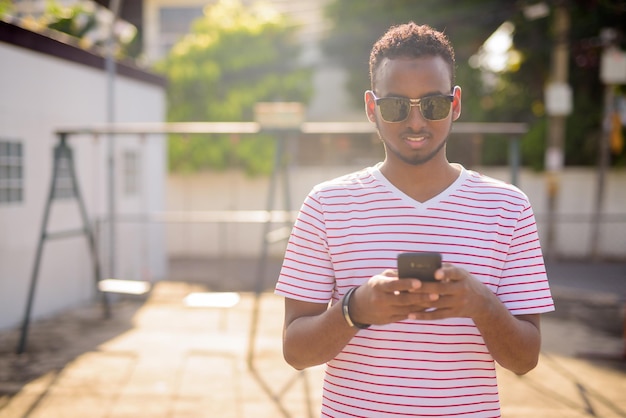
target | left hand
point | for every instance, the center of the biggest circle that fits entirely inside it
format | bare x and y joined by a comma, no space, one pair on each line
460,294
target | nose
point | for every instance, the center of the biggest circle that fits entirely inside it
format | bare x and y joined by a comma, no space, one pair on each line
415,120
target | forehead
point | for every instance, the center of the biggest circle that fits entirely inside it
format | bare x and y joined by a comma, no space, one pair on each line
413,77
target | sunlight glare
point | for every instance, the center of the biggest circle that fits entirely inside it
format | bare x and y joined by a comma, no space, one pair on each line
495,53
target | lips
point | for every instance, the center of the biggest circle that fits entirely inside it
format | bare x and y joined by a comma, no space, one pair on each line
415,140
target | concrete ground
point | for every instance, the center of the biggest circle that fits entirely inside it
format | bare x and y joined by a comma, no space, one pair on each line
159,357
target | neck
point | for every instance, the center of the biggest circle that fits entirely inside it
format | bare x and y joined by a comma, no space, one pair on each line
421,182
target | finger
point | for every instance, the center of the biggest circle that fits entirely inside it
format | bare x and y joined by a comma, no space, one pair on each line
402,285
415,302
390,273
430,314
448,273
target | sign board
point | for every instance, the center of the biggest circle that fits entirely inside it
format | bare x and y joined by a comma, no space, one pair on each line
279,115
613,66
558,97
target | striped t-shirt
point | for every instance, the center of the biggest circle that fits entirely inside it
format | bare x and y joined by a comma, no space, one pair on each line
352,228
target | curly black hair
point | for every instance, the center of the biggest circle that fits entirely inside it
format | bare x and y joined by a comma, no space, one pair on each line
413,41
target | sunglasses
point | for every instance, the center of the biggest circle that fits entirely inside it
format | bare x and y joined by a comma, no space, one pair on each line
397,109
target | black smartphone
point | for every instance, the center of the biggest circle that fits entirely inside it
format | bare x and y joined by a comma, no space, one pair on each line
419,265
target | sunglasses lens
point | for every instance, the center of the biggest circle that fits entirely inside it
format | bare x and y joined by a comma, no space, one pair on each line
435,107
394,109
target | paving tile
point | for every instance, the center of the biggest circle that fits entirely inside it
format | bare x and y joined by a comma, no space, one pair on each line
159,358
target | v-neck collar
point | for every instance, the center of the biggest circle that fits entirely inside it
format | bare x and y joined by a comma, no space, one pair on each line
375,171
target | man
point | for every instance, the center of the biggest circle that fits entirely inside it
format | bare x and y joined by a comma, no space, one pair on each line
405,347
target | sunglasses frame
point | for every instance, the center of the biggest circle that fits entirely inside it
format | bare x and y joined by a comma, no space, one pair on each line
413,103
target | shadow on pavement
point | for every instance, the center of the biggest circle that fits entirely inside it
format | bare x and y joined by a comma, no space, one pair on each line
155,357
54,342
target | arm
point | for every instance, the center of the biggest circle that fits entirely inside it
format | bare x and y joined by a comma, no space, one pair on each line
314,333
513,341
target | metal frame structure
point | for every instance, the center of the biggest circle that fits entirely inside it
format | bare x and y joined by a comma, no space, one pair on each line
63,160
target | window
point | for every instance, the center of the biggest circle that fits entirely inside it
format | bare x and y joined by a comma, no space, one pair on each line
131,173
11,171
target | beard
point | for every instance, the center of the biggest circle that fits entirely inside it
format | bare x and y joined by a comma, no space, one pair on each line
415,160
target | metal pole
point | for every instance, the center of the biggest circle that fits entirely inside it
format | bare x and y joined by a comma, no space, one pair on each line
556,122
603,166
514,159
608,37
88,231
277,171
58,154
110,66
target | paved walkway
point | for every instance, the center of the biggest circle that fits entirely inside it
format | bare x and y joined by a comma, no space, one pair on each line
158,357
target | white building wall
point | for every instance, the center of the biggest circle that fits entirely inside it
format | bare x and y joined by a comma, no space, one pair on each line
40,94
235,191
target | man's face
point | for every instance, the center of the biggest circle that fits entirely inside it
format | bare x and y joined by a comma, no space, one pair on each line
416,140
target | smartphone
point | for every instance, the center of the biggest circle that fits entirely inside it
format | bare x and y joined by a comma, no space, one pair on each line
419,265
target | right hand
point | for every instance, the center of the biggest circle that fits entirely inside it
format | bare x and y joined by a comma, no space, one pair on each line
385,298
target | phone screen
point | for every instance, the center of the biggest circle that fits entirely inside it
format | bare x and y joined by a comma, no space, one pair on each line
418,265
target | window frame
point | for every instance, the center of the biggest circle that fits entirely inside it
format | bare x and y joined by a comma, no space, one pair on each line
11,171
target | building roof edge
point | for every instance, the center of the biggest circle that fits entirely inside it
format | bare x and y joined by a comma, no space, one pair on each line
56,45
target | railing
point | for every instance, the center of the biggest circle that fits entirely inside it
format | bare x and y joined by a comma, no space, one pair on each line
63,154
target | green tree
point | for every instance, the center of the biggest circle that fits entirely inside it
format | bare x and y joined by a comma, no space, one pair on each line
79,21
521,95
356,25
6,6
517,95
75,20
234,57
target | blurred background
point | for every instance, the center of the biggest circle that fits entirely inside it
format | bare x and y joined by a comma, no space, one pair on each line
157,202
168,144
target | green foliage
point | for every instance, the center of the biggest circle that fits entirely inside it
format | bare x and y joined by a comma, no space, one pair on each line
517,95
76,20
233,58
533,145
191,153
6,6
79,21
358,24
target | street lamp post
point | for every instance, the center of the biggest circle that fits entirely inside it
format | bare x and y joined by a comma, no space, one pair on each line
558,99
612,73
110,66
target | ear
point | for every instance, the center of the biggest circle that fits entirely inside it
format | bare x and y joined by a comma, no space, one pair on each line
456,103
370,106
